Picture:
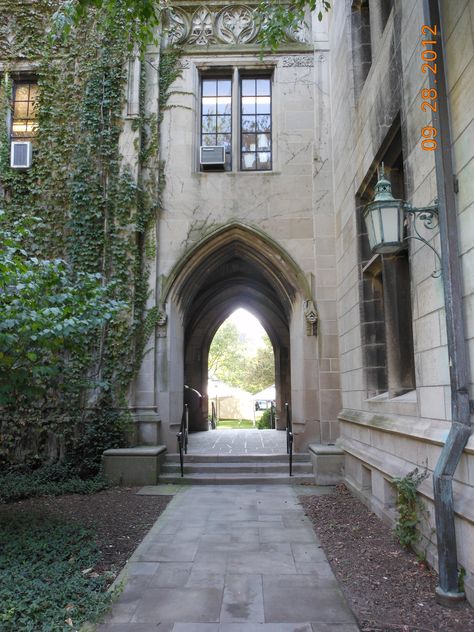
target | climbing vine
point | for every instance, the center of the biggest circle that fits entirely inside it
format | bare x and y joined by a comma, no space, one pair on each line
95,211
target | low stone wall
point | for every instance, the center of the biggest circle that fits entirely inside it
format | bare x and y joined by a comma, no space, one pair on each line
380,447
133,466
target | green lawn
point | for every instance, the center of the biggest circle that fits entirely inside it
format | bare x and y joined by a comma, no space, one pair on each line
235,423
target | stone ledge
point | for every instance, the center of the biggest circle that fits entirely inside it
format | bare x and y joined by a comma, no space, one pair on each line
392,466
142,450
432,431
317,448
138,466
328,463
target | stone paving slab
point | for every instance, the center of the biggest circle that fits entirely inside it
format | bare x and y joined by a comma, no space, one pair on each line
235,559
236,441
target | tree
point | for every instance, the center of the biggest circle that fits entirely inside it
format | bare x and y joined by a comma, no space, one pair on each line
234,361
228,355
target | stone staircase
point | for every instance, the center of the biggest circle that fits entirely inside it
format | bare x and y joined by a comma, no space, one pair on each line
221,469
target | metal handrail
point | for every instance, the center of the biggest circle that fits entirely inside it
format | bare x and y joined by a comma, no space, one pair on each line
182,437
289,437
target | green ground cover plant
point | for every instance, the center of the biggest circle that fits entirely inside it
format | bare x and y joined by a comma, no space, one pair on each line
47,583
48,480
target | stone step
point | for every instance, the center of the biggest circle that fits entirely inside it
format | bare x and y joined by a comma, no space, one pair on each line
235,467
237,479
241,458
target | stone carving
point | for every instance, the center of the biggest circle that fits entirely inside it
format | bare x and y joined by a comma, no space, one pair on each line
183,64
202,28
298,60
178,26
224,24
236,25
311,316
161,323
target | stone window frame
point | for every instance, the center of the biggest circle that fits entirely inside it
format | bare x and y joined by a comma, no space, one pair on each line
31,117
237,71
385,290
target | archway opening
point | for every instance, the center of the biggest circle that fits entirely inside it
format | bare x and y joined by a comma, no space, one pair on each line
241,374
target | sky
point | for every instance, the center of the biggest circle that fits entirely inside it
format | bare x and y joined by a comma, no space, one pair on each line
248,325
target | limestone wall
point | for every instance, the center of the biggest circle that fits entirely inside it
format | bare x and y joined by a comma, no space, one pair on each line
383,436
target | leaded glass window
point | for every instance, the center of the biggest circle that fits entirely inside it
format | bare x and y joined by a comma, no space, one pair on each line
256,123
24,119
216,114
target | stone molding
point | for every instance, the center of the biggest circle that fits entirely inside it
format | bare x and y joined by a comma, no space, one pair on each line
305,61
211,25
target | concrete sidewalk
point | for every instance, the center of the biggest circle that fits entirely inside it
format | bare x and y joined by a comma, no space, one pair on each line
231,559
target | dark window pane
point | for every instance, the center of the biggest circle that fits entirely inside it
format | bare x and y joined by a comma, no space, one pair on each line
249,124
249,161
249,142
209,124
264,160
208,140
209,88
263,87
224,124
263,123
264,141
263,105
248,87
224,87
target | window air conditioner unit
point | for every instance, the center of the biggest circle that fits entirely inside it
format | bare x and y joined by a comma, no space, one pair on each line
20,157
213,155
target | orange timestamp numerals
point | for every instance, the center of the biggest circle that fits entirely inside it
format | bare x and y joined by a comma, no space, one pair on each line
429,95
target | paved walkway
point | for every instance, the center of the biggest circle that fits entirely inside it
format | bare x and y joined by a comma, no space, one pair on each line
231,559
235,441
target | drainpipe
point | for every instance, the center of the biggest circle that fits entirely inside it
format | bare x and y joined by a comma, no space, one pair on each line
448,592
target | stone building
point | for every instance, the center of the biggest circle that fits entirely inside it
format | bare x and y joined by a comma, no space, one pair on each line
269,162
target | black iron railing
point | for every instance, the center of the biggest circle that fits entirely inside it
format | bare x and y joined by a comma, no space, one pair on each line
289,437
183,437
272,416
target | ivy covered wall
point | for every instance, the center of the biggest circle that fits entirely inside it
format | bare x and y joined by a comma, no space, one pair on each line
95,212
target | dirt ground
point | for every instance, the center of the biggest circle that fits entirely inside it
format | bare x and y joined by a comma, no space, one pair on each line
388,588
118,516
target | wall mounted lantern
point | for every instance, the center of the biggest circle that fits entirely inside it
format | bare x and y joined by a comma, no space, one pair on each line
385,220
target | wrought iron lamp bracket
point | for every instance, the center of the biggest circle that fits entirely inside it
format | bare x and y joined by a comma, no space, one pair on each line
428,216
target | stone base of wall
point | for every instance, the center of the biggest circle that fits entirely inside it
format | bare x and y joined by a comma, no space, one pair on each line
328,463
133,466
379,448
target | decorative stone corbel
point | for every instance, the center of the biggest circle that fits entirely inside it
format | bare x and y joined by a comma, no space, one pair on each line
161,324
311,316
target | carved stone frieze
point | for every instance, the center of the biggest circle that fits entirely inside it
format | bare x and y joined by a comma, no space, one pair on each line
298,60
219,24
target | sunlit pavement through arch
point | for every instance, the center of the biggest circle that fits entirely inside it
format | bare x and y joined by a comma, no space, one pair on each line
237,442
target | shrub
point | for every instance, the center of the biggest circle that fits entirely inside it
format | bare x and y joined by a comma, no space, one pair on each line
50,480
265,420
